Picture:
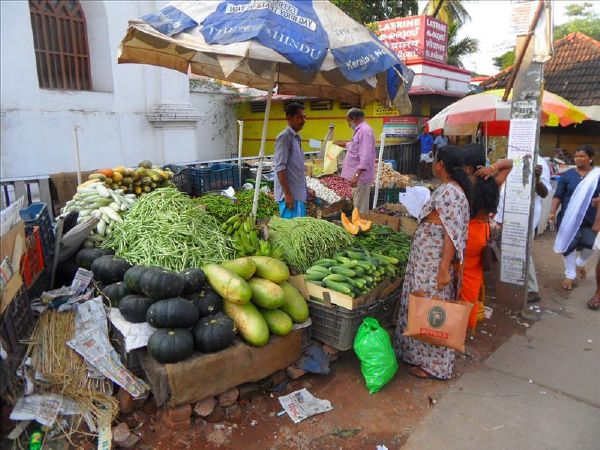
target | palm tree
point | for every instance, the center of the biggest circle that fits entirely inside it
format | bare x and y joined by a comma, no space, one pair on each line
458,49
449,11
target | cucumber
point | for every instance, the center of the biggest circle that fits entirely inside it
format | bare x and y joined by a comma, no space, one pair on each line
339,287
326,262
317,269
345,260
356,254
314,277
336,277
266,294
294,304
343,271
279,323
249,322
386,259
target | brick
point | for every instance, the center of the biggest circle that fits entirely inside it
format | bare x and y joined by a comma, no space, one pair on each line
294,372
123,437
205,407
182,425
179,413
229,397
126,401
233,413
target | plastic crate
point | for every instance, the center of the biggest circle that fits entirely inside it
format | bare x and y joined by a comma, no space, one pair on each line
37,214
386,195
32,263
17,324
183,180
337,326
216,177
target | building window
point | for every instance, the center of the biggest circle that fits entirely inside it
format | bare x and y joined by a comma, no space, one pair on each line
321,105
258,107
60,42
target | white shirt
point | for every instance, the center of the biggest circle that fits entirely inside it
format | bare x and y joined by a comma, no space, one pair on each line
537,207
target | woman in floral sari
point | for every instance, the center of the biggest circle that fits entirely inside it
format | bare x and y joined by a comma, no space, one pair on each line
438,246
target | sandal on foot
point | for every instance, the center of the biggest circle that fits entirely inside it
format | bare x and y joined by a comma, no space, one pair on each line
416,371
594,303
568,284
581,273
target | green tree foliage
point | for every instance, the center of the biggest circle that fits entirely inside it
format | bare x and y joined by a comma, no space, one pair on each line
581,18
505,60
368,11
457,49
449,11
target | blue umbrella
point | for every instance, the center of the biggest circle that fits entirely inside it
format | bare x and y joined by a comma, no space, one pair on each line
306,47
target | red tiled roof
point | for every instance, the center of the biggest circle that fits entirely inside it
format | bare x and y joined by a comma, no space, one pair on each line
573,72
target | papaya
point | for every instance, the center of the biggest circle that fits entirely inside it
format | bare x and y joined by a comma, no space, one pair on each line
271,269
279,323
294,304
227,284
266,294
243,267
249,322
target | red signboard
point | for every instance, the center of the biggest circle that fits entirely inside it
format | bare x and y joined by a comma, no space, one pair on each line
415,37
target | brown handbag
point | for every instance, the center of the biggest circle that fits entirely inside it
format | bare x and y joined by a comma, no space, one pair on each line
491,253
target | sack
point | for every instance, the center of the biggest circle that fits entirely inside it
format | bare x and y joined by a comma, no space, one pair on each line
330,159
438,322
374,349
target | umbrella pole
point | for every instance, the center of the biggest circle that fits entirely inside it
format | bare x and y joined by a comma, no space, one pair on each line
240,142
379,169
263,139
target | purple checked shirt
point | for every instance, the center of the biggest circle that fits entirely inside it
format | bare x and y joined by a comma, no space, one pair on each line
360,154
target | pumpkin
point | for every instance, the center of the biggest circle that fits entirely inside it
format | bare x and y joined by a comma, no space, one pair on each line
134,307
355,215
214,333
108,173
193,280
161,283
357,224
115,292
172,313
132,278
349,226
365,225
206,301
109,269
169,346
86,256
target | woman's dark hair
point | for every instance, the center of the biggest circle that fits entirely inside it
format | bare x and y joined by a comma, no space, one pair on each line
453,160
486,193
587,149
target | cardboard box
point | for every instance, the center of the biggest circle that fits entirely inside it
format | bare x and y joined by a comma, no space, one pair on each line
383,219
13,245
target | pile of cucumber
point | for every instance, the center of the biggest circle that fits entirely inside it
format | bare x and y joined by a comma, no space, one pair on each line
353,271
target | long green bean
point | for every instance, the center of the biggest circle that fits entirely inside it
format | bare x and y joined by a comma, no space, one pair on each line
165,228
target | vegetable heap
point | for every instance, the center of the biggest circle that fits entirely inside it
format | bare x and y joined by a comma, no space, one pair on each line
389,177
165,228
305,240
142,179
337,184
220,207
245,238
321,191
384,240
223,208
107,205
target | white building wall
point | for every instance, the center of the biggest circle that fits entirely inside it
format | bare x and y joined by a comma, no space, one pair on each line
37,124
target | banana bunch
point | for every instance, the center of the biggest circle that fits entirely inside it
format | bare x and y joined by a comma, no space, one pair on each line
245,238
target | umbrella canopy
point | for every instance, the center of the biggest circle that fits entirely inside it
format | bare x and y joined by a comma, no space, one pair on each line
319,51
488,107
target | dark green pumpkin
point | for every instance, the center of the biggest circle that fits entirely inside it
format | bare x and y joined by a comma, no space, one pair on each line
172,313
171,345
161,283
214,333
134,307
86,256
109,269
194,280
207,301
115,292
133,277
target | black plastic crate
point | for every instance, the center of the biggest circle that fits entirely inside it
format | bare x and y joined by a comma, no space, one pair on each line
17,324
385,195
337,326
216,177
37,214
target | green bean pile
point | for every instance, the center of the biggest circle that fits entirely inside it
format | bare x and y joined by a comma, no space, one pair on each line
165,228
305,240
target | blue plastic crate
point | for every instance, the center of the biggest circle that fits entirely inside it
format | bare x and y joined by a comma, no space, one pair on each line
36,215
216,177
182,177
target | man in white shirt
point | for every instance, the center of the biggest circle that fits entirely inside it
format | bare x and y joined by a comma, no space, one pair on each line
542,188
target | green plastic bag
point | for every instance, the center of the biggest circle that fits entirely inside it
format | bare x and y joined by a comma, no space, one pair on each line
373,347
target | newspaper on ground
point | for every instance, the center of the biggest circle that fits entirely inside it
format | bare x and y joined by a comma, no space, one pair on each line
300,405
136,334
43,408
82,280
91,342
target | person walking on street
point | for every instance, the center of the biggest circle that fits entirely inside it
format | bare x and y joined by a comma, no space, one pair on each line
439,142
290,182
426,143
576,194
359,163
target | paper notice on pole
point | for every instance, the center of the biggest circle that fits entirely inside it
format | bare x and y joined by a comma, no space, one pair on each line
521,16
517,203
300,405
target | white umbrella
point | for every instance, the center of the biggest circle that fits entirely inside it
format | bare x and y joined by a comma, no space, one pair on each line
306,48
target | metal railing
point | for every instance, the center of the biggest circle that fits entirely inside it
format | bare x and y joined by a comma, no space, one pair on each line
34,189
